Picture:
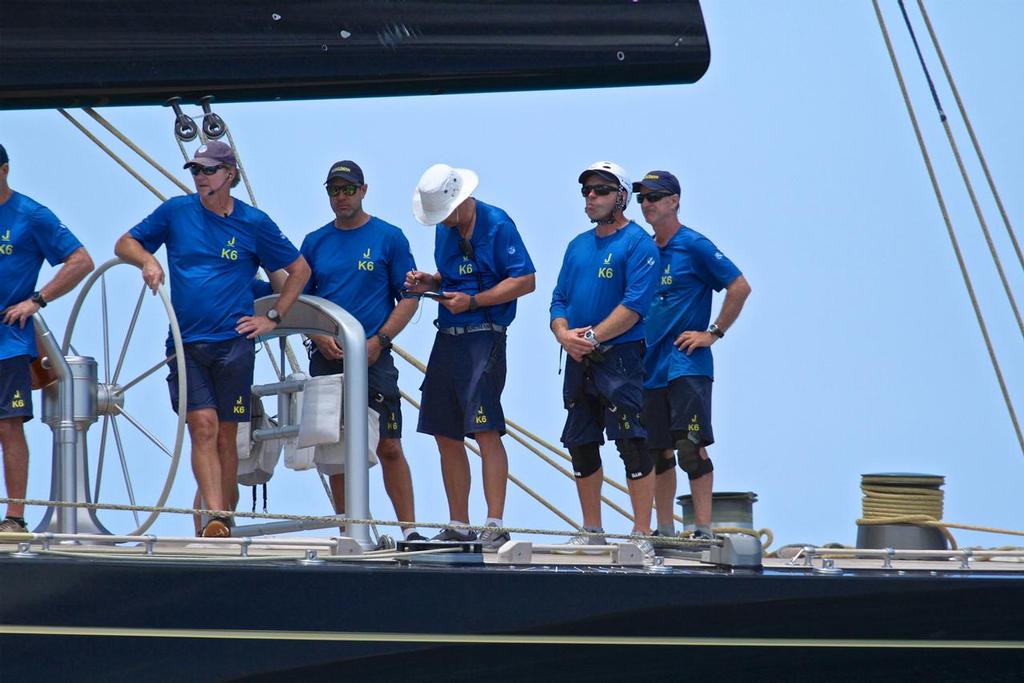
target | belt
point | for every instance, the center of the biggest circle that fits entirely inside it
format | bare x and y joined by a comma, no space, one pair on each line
480,327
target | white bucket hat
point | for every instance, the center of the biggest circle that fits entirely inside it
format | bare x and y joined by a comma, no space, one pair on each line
440,190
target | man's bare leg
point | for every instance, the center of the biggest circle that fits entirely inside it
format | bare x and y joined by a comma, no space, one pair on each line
641,495
12,440
589,490
397,479
202,429
456,476
227,453
665,494
495,472
701,490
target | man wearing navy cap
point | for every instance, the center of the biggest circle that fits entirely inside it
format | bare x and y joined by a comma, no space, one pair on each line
29,233
215,244
678,364
359,262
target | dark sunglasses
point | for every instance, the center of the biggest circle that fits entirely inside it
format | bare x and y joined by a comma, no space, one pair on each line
652,197
466,247
601,190
347,190
205,170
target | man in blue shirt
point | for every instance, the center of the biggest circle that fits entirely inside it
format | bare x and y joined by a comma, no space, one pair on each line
677,407
29,233
215,244
604,289
359,262
482,268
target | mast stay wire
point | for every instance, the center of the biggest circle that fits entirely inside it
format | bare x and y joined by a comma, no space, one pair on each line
970,132
963,171
949,227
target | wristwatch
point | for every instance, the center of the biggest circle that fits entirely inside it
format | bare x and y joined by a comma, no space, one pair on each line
38,300
592,338
385,340
273,316
473,305
716,330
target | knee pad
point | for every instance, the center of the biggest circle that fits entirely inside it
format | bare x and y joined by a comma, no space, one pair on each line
688,451
636,457
662,462
703,467
586,459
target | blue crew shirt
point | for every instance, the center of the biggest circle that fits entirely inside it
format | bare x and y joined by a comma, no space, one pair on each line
499,253
212,261
362,269
29,233
691,267
599,273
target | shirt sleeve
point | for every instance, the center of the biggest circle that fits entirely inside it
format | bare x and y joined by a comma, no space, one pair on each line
400,263
712,266
560,296
641,275
510,253
52,237
274,250
153,231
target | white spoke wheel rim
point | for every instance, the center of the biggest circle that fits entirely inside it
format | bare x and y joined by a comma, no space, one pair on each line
179,357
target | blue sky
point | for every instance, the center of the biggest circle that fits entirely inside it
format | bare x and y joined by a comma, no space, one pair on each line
857,351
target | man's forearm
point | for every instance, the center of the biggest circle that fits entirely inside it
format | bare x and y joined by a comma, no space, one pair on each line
399,318
735,296
76,266
298,275
618,321
131,250
507,290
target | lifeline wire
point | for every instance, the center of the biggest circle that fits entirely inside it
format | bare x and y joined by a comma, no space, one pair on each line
970,132
963,172
949,229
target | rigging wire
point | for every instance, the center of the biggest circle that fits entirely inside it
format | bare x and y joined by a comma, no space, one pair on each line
949,228
963,171
970,132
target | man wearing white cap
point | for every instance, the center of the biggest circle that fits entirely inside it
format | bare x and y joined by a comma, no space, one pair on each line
215,243
606,284
483,267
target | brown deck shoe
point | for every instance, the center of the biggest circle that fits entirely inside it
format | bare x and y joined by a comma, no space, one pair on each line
216,528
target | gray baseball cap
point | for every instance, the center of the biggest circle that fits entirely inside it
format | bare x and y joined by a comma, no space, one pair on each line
213,153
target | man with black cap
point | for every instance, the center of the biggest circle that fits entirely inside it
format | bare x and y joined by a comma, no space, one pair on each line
29,233
482,269
215,244
359,262
604,289
679,367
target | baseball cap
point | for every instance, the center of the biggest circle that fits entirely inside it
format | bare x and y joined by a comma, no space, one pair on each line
658,180
346,170
213,153
3,156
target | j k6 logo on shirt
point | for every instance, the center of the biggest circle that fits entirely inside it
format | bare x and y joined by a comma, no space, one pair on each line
365,263
6,249
666,278
229,252
606,272
18,401
465,269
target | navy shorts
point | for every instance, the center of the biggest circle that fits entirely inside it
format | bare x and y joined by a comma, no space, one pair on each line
219,376
382,379
683,406
16,388
463,385
605,396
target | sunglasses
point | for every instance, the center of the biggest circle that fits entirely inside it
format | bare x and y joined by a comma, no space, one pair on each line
601,190
205,170
652,197
466,247
347,190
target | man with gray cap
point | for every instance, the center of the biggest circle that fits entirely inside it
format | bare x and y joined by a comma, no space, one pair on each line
29,233
215,244
359,262
604,289
482,268
678,364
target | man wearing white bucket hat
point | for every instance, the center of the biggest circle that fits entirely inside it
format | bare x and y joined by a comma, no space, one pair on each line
607,282
483,267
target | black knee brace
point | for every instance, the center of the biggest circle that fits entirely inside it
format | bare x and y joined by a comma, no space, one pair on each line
664,459
689,457
586,459
635,457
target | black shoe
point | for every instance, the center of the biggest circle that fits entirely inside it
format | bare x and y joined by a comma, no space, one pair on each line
455,535
415,536
701,535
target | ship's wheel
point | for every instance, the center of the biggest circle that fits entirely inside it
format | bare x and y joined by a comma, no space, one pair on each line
138,443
